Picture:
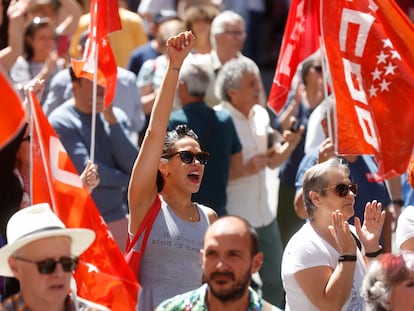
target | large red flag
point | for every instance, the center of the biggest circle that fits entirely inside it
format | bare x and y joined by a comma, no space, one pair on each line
103,276
104,20
369,45
300,39
12,113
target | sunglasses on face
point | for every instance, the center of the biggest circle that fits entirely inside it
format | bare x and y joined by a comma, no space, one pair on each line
342,190
188,156
318,68
48,266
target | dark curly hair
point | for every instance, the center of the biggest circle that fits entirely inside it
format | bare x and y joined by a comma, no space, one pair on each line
171,137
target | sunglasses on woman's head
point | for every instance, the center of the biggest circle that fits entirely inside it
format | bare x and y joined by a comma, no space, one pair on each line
188,156
342,190
48,266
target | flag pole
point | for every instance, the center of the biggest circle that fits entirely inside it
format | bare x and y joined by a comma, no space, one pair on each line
326,75
31,142
94,90
42,147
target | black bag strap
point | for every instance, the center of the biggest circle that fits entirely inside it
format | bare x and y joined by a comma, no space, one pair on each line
357,241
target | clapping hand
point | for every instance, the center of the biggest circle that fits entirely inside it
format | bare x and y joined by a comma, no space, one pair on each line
369,233
340,231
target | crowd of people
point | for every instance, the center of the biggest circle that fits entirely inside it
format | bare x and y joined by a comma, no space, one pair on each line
189,134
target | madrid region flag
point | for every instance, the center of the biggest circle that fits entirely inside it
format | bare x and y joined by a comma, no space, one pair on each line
103,276
369,46
104,20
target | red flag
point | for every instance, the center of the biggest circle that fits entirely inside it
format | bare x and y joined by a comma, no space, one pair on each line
300,40
12,113
371,59
104,20
103,276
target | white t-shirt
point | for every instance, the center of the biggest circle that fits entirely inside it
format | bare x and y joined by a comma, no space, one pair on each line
314,131
405,226
307,249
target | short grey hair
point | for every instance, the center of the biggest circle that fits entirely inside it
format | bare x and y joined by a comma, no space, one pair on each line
314,179
195,78
230,76
383,273
219,23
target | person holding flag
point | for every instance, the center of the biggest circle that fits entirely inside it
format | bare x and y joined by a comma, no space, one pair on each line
115,152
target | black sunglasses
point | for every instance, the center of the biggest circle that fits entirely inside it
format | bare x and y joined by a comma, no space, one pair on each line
188,156
342,189
48,266
318,68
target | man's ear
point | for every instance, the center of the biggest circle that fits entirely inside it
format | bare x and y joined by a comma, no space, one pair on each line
230,93
14,267
201,257
257,262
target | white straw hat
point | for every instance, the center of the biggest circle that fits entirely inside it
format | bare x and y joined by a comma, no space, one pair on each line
38,222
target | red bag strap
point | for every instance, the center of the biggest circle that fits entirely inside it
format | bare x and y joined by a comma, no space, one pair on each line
146,225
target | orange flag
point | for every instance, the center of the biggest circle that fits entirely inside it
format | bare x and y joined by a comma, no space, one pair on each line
12,113
369,46
300,40
104,20
103,276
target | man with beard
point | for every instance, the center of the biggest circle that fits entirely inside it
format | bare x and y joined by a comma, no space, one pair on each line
229,257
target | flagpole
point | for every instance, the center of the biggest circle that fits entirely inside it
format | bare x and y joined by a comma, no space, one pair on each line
93,123
31,142
94,91
42,151
325,71
325,88
31,156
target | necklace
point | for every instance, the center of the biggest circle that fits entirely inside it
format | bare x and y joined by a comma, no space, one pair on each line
192,217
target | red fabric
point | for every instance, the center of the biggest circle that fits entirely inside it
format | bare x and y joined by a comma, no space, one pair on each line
103,276
300,40
104,20
12,113
374,96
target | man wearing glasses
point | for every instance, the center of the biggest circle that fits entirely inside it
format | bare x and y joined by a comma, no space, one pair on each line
42,254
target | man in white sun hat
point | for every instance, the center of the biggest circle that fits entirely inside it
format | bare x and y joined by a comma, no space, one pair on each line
42,254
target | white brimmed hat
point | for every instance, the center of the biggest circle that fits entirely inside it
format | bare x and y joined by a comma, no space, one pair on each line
38,222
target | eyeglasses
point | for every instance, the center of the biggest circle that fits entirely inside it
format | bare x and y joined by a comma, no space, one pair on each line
341,190
318,68
235,32
48,266
188,156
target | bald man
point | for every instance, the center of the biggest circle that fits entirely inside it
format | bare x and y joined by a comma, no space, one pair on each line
229,257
